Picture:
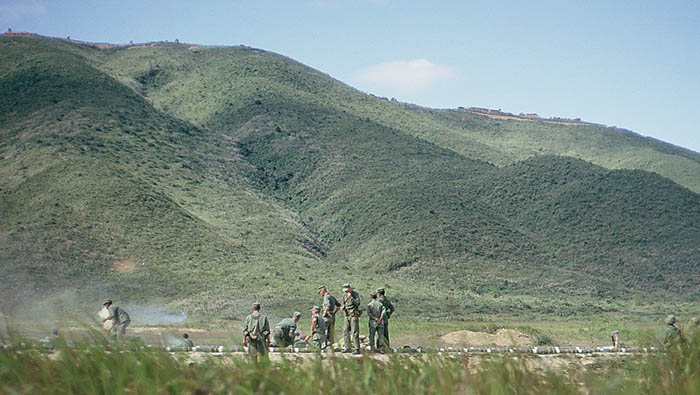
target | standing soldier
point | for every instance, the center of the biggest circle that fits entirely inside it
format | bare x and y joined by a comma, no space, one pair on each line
351,307
284,333
318,330
672,333
330,307
120,318
377,317
389,311
256,333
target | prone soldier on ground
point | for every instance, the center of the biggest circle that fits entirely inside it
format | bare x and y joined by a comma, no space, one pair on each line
284,333
377,314
329,308
256,333
351,307
318,330
50,341
120,318
389,312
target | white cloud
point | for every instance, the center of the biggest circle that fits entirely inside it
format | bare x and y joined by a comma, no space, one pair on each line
416,74
12,10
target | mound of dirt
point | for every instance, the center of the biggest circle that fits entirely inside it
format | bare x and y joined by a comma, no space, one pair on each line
502,338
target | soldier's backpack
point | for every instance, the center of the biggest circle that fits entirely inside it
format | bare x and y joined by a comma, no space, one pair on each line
254,331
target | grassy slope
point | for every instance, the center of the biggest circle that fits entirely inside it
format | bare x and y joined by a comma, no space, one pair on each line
620,219
265,175
92,175
325,149
611,148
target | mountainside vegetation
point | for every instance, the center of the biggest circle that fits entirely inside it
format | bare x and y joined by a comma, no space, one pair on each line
214,176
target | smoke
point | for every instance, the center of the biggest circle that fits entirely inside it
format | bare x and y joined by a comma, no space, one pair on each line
153,315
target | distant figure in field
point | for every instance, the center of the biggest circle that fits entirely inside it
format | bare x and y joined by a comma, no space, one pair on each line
185,343
256,333
673,333
284,333
120,319
616,339
50,340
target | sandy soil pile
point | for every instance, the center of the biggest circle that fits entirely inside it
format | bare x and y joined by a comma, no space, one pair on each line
502,338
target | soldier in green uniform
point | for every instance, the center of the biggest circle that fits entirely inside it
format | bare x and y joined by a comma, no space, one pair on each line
284,333
256,333
120,317
185,344
351,307
318,330
389,312
329,308
672,333
377,314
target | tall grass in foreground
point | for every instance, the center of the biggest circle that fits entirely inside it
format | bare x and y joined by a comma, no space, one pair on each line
96,369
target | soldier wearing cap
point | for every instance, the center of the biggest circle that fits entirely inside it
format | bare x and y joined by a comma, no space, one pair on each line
351,307
329,308
256,333
318,329
284,333
120,318
389,311
672,333
377,314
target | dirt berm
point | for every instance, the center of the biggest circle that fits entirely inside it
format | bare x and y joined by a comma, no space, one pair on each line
502,338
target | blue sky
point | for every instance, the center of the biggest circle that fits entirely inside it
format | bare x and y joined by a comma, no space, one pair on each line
631,64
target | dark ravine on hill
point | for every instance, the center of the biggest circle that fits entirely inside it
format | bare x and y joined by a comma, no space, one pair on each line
212,177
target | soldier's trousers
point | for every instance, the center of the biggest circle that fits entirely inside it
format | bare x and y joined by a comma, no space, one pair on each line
119,330
381,340
278,339
317,342
352,325
256,347
386,332
330,324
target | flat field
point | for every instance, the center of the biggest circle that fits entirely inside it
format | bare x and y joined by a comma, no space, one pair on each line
94,365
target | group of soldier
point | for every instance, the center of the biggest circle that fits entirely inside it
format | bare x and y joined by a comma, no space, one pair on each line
257,334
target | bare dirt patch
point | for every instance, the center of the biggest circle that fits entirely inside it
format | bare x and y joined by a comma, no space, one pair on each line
502,338
127,265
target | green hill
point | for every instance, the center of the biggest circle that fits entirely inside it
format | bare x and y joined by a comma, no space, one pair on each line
210,177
